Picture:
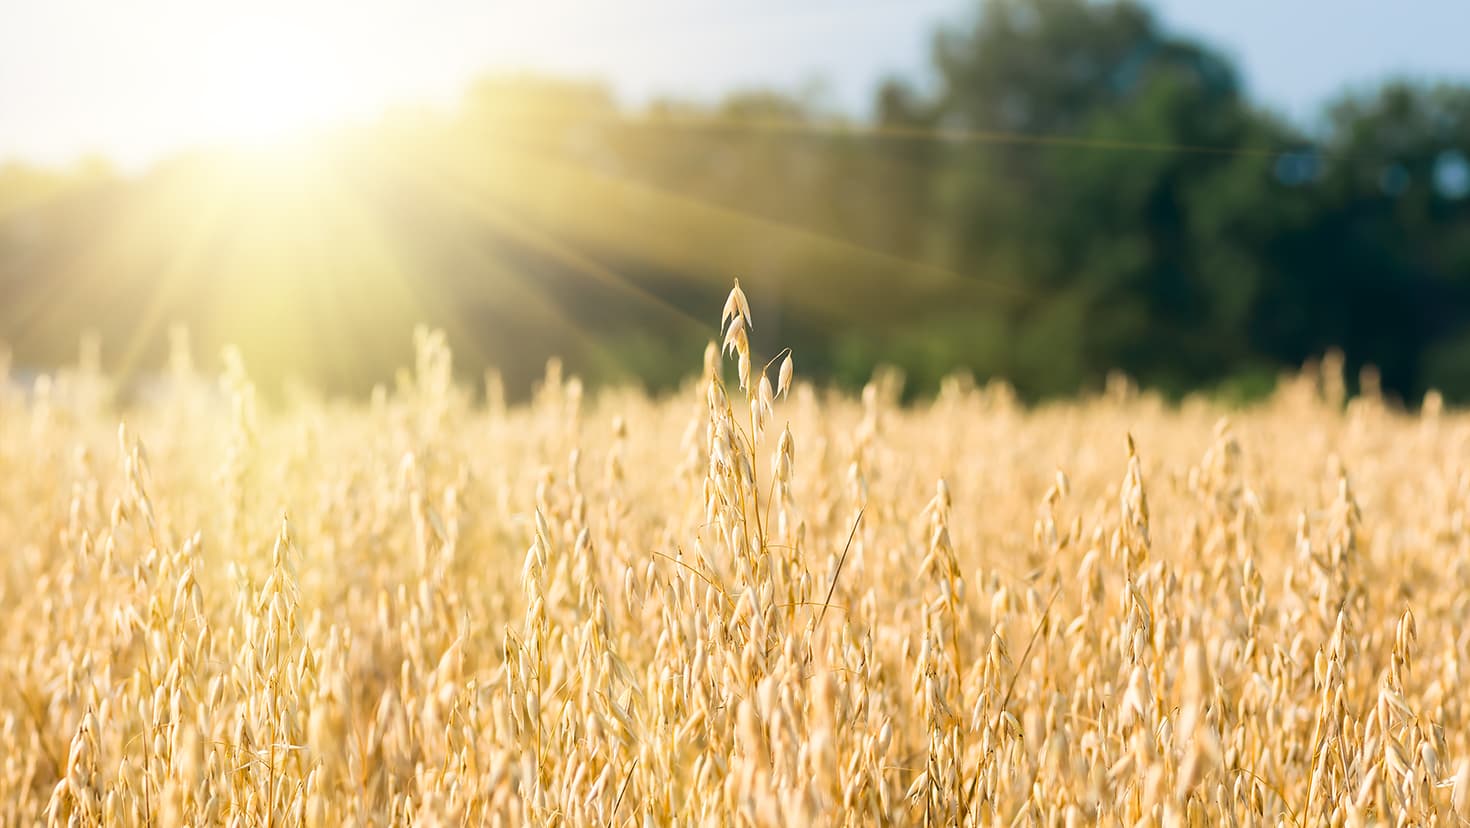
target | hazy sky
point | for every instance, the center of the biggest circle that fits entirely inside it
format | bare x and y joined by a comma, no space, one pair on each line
138,79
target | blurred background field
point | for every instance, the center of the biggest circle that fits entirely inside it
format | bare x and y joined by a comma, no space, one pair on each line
1043,191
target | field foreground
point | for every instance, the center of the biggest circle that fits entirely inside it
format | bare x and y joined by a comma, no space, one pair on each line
613,610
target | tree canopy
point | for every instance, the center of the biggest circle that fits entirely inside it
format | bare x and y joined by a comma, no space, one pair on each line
1077,190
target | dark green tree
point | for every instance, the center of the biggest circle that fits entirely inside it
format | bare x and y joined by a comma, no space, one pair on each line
1093,153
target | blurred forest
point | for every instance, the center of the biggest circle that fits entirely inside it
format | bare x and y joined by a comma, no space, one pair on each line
1080,191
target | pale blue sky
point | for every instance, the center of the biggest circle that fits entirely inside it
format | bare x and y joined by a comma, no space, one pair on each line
141,79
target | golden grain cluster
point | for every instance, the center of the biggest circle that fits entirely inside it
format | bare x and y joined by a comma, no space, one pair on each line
753,604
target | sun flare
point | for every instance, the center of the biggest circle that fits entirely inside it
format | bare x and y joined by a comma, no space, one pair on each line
270,85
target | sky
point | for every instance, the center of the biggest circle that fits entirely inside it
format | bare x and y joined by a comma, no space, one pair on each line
136,81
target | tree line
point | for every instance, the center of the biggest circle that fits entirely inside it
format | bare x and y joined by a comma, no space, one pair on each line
1078,190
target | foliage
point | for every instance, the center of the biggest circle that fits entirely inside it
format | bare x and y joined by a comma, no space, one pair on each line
1078,191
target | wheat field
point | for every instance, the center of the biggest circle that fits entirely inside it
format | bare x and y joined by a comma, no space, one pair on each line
759,603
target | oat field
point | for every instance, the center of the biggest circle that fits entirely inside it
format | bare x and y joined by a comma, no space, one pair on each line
753,603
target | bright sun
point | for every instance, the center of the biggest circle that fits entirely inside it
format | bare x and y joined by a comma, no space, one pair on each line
270,84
